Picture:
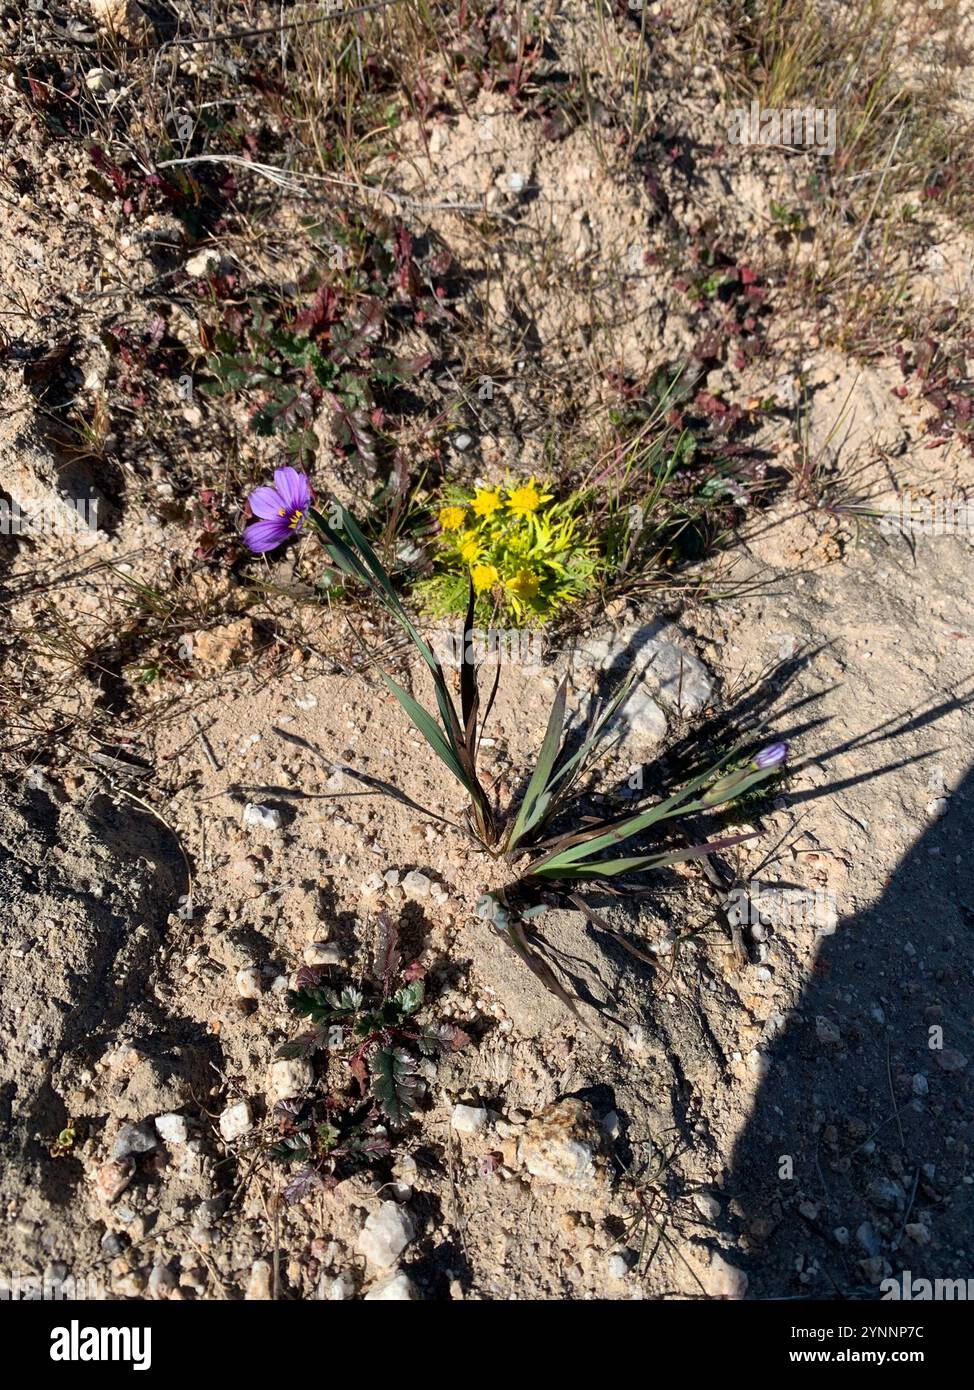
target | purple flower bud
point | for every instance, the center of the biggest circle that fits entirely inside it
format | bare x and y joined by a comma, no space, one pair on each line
771,756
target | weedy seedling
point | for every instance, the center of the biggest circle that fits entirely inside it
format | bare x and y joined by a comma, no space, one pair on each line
379,1036
552,849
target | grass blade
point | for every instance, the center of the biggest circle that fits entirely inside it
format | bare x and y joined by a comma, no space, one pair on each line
634,863
535,800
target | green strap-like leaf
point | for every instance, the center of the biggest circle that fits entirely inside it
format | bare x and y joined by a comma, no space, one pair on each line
534,803
609,868
430,730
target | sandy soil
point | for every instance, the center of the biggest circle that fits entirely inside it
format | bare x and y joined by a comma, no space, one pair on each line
778,1106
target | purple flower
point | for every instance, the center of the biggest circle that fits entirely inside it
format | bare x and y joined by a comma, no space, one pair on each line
771,756
282,509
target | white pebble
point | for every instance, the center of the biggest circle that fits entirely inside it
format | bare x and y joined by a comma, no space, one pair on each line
386,1234
288,1078
249,983
416,885
236,1121
322,953
468,1119
172,1129
397,1288
263,816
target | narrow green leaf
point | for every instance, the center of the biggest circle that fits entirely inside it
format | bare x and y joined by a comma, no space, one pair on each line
430,730
609,868
529,811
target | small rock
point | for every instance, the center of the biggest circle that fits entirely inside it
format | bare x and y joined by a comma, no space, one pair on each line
826,1032
98,80
162,1281
266,817
371,884
868,1239
917,1232
885,1194
131,1285
221,648
707,1205
322,953
124,17
386,1234
172,1129
135,1139
611,1125
236,1121
561,1144
921,1086
937,808
259,1284
416,885
249,983
723,1280
204,263
288,1078
396,1288
113,1178
951,1060
336,1290
468,1119
619,1266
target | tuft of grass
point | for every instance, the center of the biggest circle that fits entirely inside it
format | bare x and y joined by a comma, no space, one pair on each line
889,69
552,847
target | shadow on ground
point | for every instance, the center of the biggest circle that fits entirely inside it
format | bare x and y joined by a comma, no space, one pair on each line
856,1162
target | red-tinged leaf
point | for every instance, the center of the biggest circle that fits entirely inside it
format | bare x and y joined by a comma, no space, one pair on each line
360,1073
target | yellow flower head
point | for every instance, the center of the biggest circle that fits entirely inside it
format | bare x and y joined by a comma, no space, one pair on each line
524,500
469,548
484,577
524,584
452,518
486,501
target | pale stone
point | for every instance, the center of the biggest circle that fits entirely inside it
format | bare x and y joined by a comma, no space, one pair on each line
172,1129
396,1288
288,1078
386,1234
560,1145
468,1119
236,1121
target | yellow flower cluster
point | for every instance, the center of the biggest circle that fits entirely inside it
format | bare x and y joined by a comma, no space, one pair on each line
517,545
